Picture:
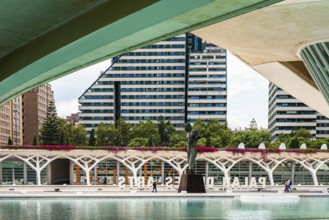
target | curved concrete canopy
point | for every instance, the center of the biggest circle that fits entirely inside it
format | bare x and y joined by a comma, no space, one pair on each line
269,40
43,40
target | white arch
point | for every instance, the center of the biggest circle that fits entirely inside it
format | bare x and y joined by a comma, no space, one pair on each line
268,167
225,166
38,160
312,166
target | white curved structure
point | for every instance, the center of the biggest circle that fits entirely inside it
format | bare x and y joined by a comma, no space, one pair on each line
142,163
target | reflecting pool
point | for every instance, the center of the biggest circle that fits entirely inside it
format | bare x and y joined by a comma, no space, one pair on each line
162,208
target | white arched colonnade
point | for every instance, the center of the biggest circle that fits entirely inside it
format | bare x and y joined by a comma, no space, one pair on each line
134,160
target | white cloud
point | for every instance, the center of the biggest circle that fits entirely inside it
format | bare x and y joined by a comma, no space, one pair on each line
247,95
69,88
66,108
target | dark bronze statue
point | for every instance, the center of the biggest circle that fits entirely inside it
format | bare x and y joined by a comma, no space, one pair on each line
191,138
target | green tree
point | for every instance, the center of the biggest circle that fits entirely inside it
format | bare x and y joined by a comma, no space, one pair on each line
303,133
123,134
178,139
35,141
216,142
201,142
253,124
79,135
92,139
102,137
299,136
213,129
50,131
138,141
251,138
180,144
62,138
148,130
10,142
165,130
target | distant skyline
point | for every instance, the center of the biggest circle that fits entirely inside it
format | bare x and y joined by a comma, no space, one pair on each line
247,92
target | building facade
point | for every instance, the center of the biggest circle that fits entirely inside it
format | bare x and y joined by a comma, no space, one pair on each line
287,113
181,78
35,103
73,118
11,122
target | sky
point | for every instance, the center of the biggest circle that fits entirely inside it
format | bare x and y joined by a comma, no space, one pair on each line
247,92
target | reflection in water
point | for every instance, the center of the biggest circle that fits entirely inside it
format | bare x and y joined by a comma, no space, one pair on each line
161,208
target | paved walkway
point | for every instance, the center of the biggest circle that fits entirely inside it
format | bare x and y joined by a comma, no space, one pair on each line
111,192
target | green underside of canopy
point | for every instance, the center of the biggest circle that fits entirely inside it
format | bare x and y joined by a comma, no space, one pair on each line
158,21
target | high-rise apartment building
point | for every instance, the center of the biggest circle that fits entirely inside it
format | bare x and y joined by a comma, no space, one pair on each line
11,122
34,104
181,78
286,114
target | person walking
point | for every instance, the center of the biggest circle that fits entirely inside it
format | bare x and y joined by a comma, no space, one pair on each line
289,185
154,187
286,189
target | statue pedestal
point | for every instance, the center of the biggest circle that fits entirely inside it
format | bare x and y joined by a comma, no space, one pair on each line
192,183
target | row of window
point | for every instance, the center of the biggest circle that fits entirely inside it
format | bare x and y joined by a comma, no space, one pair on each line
141,75
142,118
207,97
152,104
167,53
97,111
207,83
152,97
207,112
97,97
207,89
121,60
152,89
208,76
211,63
116,68
207,105
141,111
162,46
207,69
153,83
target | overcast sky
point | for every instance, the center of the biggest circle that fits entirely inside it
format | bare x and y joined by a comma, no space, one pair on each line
247,92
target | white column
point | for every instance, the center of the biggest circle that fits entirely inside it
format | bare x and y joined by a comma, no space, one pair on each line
207,169
293,171
71,172
95,174
24,173
118,171
162,172
250,172
48,168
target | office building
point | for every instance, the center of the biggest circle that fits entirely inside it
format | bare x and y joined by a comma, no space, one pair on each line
11,122
287,113
181,78
35,103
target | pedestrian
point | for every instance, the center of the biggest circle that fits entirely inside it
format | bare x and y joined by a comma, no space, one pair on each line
105,180
286,189
289,185
154,187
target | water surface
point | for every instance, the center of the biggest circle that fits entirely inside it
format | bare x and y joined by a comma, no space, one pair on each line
161,208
